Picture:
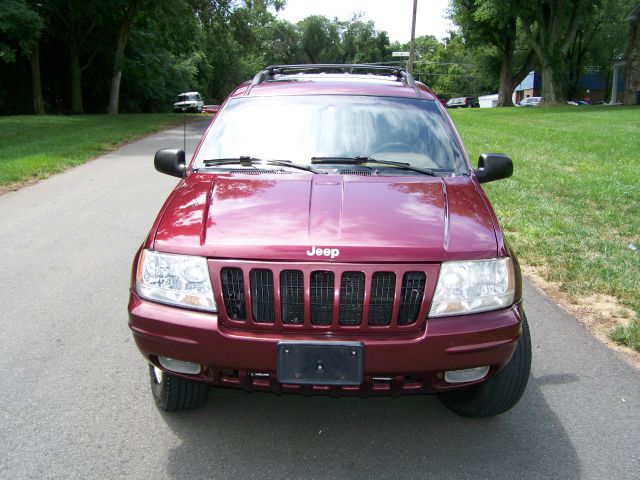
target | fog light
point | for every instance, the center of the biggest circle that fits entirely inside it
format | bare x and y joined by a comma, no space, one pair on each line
179,366
466,375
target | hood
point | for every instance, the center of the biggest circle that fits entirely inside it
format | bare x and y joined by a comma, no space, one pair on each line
334,218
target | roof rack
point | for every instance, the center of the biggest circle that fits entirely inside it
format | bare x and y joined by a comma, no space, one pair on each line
273,70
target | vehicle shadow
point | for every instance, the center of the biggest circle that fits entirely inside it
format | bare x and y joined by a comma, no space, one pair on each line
241,435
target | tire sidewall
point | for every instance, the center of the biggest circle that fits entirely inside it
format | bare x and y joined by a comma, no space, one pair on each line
158,389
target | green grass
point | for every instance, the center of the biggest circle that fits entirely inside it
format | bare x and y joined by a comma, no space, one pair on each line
34,147
573,203
628,336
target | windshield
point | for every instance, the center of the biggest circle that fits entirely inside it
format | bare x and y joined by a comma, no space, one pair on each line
297,128
187,98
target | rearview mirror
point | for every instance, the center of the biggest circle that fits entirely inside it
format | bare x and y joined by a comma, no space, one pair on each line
493,166
171,162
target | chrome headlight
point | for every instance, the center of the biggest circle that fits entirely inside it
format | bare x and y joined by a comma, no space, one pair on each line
180,280
473,286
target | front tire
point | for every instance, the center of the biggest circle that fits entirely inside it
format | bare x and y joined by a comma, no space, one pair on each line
176,394
500,393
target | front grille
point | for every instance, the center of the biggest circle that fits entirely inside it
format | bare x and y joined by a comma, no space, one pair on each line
329,296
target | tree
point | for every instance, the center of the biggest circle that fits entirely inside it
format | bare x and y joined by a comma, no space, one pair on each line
280,43
551,27
362,43
77,21
452,68
129,12
632,82
159,66
23,25
494,23
320,39
598,44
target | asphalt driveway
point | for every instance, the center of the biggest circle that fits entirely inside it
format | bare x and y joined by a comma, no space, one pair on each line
75,402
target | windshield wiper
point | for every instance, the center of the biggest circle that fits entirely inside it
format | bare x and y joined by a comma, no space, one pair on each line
365,160
252,162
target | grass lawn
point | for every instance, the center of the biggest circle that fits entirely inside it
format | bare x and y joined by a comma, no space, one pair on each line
573,203
34,147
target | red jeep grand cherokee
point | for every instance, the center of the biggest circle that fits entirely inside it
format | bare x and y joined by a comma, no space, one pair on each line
330,236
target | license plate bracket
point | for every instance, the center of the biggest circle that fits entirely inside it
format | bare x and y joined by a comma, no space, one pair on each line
320,363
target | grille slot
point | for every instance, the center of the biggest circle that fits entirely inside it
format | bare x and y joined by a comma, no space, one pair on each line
351,298
383,286
233,293
292,296
261,285
412,292
322,297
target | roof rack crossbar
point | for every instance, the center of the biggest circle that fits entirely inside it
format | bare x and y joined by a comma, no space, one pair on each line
272,70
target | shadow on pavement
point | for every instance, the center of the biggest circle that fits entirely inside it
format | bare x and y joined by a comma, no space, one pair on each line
262,435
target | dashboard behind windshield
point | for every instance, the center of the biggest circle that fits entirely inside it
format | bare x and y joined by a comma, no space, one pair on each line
296,128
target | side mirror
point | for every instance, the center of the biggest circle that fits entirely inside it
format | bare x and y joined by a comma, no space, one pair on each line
171,162
493,166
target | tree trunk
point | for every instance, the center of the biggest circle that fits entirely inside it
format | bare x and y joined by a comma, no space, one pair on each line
632,78
551,29
114,97
38,99
505,91
76,79
550,93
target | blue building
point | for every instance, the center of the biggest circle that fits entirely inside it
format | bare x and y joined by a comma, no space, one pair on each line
529,87
593,85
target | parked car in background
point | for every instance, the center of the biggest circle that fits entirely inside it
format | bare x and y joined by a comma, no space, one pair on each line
462,102
211,108
188,102
530,102
330,236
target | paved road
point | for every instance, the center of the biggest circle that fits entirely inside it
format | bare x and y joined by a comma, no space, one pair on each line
75,403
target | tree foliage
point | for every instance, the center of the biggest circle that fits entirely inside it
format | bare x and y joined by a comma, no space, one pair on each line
136,55
492,24
70,56
561,39
21,25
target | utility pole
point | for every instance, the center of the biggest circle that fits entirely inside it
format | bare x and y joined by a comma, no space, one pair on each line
412,45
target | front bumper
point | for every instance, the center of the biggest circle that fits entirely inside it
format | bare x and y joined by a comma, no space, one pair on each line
393,364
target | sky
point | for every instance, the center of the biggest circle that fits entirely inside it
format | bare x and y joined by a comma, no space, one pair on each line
392,16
